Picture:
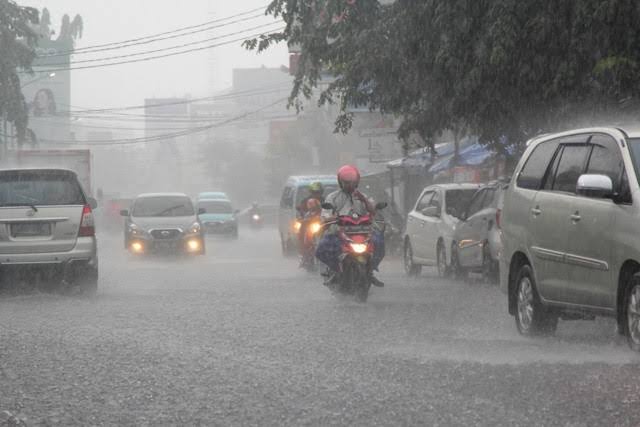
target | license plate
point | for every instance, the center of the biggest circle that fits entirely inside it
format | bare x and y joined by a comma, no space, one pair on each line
31,229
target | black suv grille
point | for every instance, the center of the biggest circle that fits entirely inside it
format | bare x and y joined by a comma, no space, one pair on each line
165,234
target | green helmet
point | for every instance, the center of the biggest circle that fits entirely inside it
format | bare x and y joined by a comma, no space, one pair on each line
316,187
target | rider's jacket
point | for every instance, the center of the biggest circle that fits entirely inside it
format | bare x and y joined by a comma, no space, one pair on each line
345,204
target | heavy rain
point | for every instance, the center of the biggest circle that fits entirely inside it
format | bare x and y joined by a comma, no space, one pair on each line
319,212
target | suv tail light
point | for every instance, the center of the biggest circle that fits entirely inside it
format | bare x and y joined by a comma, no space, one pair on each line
87,223
498,216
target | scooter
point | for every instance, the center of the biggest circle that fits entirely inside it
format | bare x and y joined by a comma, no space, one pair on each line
255,220
312,228
355,269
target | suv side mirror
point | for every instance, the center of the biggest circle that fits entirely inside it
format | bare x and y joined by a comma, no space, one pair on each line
124,212
381,205
431,211
202,211
595,185
92,202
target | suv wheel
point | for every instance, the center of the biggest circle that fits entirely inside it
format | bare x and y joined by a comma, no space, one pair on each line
632,317
441,262
531,317
410,268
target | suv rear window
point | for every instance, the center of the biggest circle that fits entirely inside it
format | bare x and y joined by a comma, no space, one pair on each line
55,188
215,206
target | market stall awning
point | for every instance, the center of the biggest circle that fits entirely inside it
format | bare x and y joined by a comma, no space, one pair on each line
472,155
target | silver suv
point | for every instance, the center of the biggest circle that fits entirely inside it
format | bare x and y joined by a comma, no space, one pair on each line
47,227
570,231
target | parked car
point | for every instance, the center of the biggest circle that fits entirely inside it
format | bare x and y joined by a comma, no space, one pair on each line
163,222
478,235
429,234
218,217
294,192
570,231
47,227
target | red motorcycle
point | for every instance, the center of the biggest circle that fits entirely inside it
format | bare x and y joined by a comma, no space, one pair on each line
355,269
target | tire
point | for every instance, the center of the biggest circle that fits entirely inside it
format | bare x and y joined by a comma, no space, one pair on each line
283,245
457,271
362,283
631,314
441,261
84,283
410,268
489,266
532,319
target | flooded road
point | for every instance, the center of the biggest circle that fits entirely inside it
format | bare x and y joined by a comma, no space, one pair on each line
241,336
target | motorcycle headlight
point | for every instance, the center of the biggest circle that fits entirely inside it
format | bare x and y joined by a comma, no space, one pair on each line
256,217
315,227
359,248
195,228
296,226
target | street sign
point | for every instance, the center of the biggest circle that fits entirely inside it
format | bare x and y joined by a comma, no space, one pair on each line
383,144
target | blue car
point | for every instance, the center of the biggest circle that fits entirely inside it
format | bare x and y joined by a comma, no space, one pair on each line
218,217
212,195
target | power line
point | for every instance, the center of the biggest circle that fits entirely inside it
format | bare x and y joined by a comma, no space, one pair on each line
155,57
161,137
164,49
79,50
233,95
161,49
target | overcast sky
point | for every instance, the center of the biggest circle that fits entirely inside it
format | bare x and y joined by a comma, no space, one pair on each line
196,73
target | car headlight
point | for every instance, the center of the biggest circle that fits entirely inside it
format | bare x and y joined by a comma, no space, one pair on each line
195,228
135,230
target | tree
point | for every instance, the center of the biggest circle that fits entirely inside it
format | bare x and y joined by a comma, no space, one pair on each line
17,41
504,70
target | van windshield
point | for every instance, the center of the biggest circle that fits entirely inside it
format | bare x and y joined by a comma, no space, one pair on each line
303,192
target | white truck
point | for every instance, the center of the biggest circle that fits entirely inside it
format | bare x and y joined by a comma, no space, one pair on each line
78,161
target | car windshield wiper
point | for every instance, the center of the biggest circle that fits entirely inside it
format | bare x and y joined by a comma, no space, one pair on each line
161,213
27,205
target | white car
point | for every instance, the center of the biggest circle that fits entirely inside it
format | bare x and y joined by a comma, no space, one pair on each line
428,238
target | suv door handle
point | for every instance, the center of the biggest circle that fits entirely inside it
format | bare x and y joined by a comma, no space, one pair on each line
576,217
536,211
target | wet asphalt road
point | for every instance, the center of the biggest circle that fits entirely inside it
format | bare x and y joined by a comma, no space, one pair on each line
242,337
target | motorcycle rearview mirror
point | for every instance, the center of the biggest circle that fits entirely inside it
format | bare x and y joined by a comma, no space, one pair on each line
328,206
381,205
201,211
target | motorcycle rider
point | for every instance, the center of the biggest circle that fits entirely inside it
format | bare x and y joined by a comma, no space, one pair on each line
316,192
313,212
347,200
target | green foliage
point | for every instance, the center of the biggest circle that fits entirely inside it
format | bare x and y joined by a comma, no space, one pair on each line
17,41
496,68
